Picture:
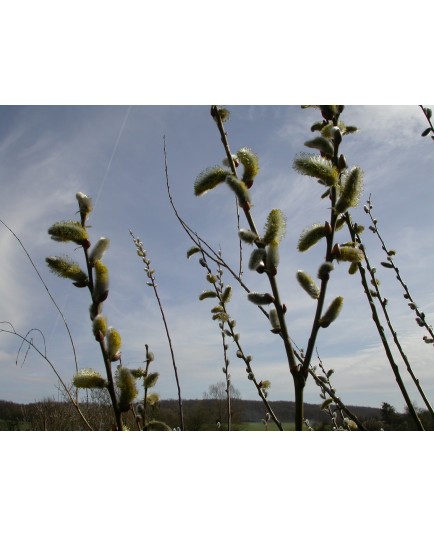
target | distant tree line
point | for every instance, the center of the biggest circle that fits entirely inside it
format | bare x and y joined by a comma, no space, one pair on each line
206,414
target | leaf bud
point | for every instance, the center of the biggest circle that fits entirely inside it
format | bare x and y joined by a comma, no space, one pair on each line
99,327
192,251
85,205
274,319
275,227
272,258
116,357
308,284
150,380
207,294
209,179
94,310
69,231
257,258
65,267
350,424
211,278
240,190
260,299
88,379
321,144
248,236
227,294
318,125
226,161
318,167
251,165
324,271
332,312
152,399
223,113
329,111
221,317
347,253
114,342
337,135
126,383
353,268
98,250
342,163
101,288
351,190
325,405
309,237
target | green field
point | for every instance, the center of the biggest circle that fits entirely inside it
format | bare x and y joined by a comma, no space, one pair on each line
14,426
259,427
243,427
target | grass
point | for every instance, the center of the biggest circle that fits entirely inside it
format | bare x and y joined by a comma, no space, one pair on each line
6,426
271,427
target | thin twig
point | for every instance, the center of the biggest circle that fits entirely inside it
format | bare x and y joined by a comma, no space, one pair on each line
380,328
235,337
12,331
383,305
428,114
48,292
391,264
151,276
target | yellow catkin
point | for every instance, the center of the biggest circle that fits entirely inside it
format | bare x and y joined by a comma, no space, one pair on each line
251,165
209,179
68,231
318,167
127,388
309,237
114,342
88,379
101,281
332,312
308,284
350,191
275,227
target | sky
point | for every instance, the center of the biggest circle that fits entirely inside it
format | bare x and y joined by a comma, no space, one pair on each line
115,155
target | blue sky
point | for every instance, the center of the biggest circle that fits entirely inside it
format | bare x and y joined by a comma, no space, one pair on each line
115,155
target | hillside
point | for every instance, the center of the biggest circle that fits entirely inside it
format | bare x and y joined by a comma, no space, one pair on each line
199,414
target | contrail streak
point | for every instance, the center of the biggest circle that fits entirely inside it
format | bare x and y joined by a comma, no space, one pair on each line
104,180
